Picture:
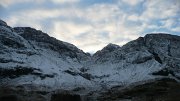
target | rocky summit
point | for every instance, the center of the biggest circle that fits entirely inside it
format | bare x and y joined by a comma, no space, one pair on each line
37,67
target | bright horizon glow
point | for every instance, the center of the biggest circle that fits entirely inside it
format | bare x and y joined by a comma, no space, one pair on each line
92,24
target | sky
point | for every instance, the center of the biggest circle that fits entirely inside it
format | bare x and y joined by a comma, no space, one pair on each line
92,24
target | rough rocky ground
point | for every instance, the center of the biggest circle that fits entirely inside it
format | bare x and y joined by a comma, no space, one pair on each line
160,90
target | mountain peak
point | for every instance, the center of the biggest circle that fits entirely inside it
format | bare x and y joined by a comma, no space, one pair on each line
111,46
107,49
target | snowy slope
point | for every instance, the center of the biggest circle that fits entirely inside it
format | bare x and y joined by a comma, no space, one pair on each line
29,56
32,57
150,57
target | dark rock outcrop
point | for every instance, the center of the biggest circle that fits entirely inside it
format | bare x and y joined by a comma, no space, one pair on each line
65,97
159,90
9,98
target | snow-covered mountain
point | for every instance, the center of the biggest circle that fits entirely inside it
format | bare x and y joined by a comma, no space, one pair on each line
139,60
31,58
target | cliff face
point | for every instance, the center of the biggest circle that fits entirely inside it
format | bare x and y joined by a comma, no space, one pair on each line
32,60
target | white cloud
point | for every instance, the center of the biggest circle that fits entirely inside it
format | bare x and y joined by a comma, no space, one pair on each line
65,1
160,14
84,36
67,30
168,23
160,9
91,28
38,14
16,21
132,2
8,3
99,12
176,29
102,27
133,17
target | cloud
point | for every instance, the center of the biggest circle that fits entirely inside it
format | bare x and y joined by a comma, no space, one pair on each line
176,29
67,30
168,23
160,9
15,21
133,17
171,24
93,26
101,12
133,2
8,3
65,1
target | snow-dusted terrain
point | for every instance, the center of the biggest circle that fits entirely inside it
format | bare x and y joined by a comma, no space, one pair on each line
31,57
35,58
